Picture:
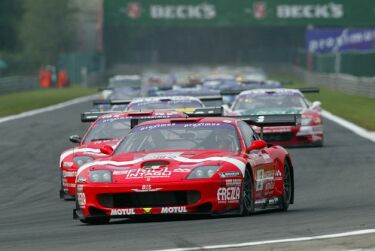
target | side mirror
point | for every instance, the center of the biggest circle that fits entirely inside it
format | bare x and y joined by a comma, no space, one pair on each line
257,145
316,105
75,139
106,149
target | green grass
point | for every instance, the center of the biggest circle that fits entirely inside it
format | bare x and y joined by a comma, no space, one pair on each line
23,101
357,109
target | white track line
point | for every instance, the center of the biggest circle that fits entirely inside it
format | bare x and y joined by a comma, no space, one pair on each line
349,125
257,243
47,109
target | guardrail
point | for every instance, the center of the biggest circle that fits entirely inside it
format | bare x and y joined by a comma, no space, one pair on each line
363,86
18,83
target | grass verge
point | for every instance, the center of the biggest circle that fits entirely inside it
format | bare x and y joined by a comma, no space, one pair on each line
357,109
24,101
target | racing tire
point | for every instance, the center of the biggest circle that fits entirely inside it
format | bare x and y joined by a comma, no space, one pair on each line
93,220
247,195
288,188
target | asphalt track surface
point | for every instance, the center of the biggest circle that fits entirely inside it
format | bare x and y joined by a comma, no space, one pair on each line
334,193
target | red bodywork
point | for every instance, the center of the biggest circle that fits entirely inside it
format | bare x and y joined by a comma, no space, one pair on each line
92,149
137,189
309,134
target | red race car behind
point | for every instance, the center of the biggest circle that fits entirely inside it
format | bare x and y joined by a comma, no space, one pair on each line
187,166
108,129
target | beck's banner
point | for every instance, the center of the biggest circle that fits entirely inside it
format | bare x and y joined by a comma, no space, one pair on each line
334,13
330,40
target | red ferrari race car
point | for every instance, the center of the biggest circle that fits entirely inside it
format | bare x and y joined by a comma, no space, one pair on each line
198,165
108,129
284,101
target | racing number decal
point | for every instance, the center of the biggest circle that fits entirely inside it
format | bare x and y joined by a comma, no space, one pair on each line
259,179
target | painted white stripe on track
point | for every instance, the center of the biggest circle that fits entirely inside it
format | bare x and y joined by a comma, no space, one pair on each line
257,243
47,109
349,125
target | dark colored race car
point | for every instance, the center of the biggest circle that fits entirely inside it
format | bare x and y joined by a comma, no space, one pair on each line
215,165
107,129
284,101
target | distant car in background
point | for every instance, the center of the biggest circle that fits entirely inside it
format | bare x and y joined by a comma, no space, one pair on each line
283,101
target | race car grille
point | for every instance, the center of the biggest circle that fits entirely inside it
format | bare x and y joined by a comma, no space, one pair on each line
279,136
148,199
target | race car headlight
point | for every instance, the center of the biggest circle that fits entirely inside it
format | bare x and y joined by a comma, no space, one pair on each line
203,172
101,176
81,160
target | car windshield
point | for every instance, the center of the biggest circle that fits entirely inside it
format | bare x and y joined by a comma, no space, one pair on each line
108,128
172,104
181,136
266,102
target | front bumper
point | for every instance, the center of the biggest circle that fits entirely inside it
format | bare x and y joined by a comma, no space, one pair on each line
124,200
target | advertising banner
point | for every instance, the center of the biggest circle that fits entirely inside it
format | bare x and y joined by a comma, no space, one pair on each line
239,12
330,40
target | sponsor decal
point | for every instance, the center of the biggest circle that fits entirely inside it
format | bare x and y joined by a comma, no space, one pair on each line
69,174
134,10
182,170
69,185
68,164
146,188
173,210
79,188
260,10
266,157
199,11
310,11
228,194
259,180
119,212
81,198
229,174
120,172
147,210
278,173
166,155
233,182
147,173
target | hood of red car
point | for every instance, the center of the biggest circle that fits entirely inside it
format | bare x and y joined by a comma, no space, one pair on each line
157,166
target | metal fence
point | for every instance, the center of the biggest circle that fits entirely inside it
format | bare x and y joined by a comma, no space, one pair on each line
18,83
363,86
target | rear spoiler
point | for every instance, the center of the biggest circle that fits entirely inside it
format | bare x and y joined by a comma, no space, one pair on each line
231,92
206,112
309,90
111,102
100,89
199,112
271,120
92,116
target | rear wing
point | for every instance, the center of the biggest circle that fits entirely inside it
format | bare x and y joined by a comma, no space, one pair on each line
111,102
92,116
199,112
206,112
231,92
309,90
211,100
271,120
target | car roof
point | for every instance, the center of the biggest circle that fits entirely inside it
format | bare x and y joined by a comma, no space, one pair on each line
168,98
279,91
192,120
136,114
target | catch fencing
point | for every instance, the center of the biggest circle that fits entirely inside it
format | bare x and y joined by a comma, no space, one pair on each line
18,83
363,86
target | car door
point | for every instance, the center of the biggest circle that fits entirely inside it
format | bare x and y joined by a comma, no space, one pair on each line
263,168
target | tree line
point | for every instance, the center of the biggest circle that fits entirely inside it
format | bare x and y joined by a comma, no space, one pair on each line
35,32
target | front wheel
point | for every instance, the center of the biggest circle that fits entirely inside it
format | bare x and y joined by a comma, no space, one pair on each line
288,188
247,195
